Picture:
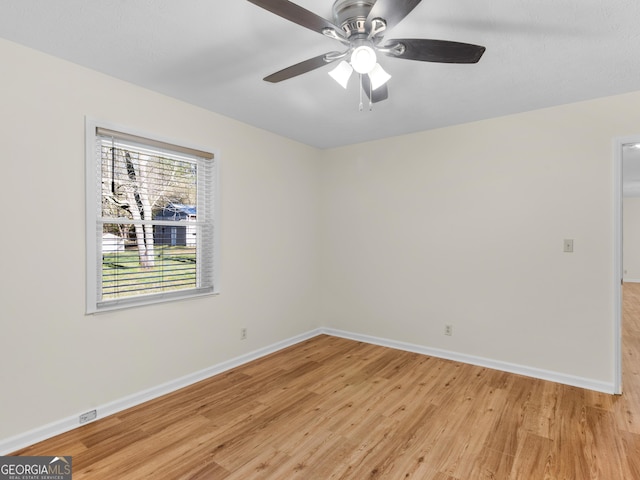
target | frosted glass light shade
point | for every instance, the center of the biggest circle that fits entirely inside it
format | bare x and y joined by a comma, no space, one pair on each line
342,73
378,76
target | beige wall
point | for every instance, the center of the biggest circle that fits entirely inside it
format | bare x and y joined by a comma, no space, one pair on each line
631,239
465,226
394,238
54,360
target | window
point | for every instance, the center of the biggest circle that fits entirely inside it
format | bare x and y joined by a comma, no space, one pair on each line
150,220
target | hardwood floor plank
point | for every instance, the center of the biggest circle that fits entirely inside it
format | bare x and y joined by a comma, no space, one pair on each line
491,464
401,452
631,444
534,458
604,444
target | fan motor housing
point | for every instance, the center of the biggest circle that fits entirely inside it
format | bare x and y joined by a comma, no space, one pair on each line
351,15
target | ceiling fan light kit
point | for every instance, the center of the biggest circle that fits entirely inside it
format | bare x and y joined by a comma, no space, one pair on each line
360,26
363,59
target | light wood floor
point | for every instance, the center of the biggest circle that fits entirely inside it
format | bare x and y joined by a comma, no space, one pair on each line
331,408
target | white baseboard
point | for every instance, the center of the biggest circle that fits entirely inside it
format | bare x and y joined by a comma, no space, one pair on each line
631,280
23,440
64,425
538,373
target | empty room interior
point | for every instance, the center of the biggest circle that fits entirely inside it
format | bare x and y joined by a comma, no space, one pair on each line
417,280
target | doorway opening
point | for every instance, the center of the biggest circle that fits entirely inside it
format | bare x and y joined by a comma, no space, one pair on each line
626,233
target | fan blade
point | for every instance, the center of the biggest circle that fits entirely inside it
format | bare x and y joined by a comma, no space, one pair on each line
378,95
441,51
296,14
302,67
392,11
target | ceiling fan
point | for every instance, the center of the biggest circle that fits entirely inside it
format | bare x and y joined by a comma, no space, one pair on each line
360,26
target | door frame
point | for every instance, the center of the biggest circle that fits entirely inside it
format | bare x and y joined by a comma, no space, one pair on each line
618,173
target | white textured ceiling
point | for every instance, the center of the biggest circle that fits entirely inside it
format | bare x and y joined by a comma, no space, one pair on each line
214,54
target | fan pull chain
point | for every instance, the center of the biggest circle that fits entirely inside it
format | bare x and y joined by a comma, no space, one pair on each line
361,90
370,95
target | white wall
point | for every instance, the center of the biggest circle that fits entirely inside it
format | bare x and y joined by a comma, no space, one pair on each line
631,239
465,226
57,362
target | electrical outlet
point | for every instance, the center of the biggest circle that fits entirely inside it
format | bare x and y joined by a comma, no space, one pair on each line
88,416
243,333
448,330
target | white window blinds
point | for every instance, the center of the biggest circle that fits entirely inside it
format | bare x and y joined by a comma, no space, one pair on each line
153,222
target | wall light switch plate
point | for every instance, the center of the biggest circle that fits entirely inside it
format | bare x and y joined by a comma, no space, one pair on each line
568,245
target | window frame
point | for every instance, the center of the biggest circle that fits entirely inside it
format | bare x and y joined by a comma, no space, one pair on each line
93,222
